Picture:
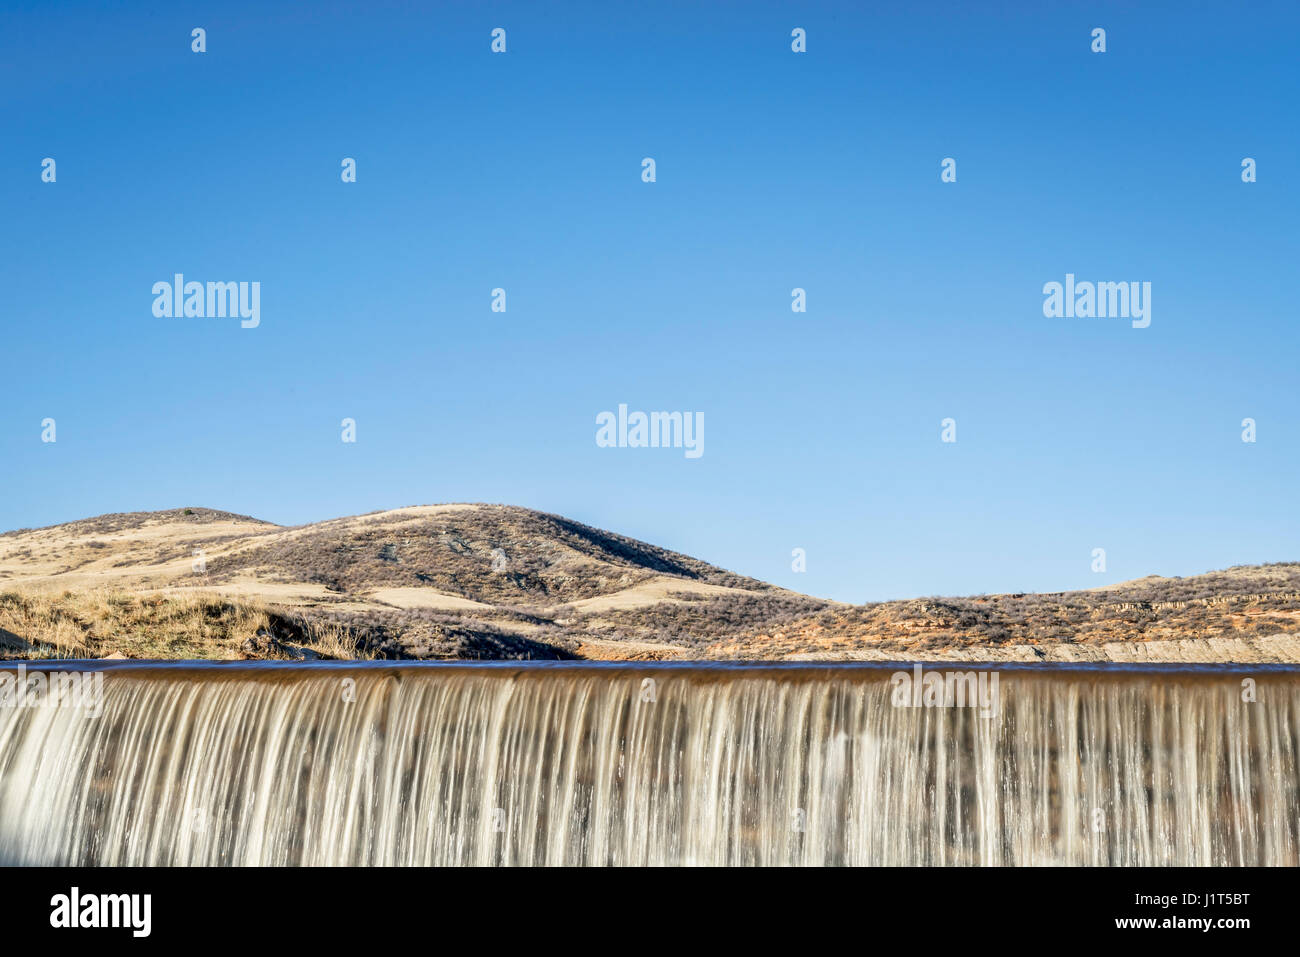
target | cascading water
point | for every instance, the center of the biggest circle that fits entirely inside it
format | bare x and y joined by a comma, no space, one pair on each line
677,764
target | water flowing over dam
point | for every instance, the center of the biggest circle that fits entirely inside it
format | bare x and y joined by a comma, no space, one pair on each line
387,763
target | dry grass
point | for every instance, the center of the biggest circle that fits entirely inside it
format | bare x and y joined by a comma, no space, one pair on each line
101,622
497,582
542,559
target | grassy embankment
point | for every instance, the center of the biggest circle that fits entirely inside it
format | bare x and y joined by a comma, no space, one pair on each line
104,622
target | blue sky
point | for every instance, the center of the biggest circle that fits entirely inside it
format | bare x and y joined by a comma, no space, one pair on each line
775,170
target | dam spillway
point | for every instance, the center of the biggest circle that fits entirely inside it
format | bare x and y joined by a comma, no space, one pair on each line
630,764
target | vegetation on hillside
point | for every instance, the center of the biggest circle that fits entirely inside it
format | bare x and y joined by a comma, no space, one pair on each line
493,553
499,582
100,623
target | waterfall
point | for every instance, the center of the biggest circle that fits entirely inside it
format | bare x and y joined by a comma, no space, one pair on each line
574,763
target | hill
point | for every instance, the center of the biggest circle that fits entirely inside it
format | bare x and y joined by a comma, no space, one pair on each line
497,581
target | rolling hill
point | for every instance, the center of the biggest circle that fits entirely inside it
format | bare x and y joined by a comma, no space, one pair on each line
497,581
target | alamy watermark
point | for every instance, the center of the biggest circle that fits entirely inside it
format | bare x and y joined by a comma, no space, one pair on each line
53,689
1098,300
215,300
77,909
653,430
951,689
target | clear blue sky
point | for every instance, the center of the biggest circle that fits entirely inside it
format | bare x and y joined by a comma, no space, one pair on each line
775,170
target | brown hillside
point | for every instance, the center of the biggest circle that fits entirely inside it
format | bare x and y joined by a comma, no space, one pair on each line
496,581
